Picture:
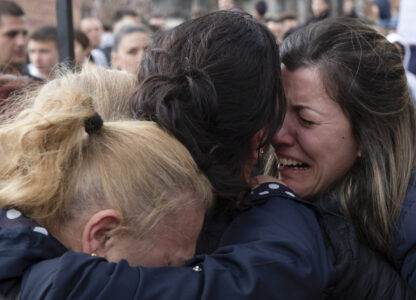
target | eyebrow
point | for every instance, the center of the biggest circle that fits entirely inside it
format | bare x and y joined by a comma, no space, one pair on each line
300,107
15,32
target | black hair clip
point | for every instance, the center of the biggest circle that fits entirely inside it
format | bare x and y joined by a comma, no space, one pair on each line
93,124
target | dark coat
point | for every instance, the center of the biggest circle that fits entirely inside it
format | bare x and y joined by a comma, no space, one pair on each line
359,272
274,250
404,250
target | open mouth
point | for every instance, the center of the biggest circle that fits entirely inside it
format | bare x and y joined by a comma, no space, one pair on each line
291,164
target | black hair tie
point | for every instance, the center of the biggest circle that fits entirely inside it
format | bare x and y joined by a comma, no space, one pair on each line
93,124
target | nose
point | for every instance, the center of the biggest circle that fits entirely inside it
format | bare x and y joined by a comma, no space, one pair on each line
285,136
34,58
20,40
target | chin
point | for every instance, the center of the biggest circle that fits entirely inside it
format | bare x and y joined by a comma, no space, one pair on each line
298,188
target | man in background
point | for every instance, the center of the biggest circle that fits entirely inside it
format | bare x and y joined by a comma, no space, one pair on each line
226,4
320,10
260,11
13,31
94,29
289,23
276,27
43,52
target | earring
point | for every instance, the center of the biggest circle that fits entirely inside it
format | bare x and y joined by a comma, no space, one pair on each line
93,254
261,151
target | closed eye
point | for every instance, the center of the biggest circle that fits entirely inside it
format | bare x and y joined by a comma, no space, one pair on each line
306,122
133,51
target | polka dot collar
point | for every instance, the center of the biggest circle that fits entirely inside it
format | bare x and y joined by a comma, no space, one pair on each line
12,218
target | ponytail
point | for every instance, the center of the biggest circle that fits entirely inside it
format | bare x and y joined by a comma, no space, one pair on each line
37,149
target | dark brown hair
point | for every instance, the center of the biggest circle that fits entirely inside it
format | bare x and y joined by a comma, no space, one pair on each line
9,8
45,33
214,82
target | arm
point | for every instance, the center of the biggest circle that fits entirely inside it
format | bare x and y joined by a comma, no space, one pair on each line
404,250
275,250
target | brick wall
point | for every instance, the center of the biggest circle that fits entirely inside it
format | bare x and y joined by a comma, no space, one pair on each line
43,12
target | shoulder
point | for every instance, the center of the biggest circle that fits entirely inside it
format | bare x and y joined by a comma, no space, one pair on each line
359,272
406,224
79,276
404,250
279,239
276,207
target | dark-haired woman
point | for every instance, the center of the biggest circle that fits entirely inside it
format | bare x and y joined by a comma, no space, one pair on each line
348,141
215,85
213,82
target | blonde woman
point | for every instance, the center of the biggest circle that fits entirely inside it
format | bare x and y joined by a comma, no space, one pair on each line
115,190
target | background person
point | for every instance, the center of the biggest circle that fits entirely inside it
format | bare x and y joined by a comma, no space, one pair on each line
43,52
94,29
289,23
157,22
320,10
348,9
81,48
226,4
276,27
260,10
130,43
126,14
13,31
405,52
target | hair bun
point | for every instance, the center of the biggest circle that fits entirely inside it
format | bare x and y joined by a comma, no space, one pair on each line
93,124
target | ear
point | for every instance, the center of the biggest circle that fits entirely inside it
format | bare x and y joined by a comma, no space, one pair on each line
114,60
86,51
254,145
95,234
254,153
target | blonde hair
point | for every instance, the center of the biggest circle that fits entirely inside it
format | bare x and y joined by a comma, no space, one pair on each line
110,90
52,170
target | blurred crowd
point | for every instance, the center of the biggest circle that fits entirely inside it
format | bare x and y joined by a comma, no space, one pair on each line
34,52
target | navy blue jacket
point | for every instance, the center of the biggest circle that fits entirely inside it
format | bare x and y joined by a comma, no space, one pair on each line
404,251
275,250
